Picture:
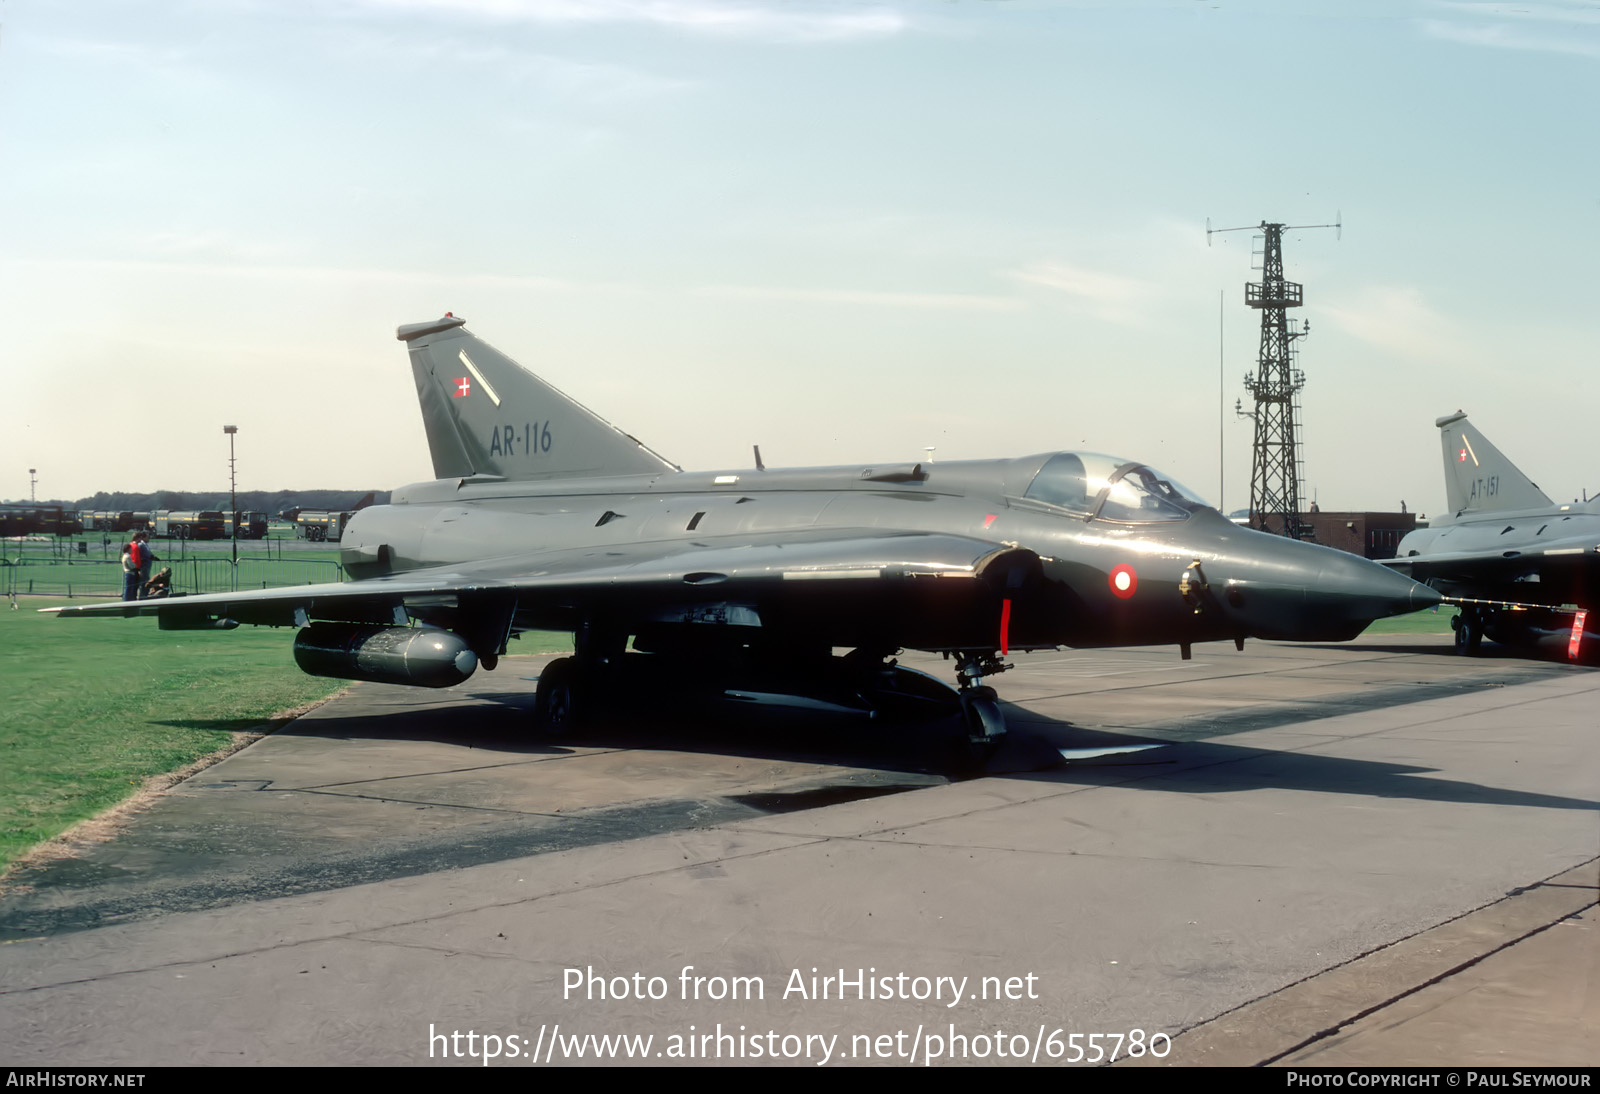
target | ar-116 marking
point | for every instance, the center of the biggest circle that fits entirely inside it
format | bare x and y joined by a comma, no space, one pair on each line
504,440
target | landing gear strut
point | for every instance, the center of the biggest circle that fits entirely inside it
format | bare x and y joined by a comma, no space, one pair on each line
982,723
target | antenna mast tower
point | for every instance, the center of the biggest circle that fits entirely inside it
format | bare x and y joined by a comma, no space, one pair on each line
1275,465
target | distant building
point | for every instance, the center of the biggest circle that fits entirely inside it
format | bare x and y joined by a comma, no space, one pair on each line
1370,535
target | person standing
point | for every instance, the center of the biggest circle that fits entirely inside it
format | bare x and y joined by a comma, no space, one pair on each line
146,558
130,568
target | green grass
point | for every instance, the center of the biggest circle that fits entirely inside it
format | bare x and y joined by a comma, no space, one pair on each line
1427,621
90,708
537,642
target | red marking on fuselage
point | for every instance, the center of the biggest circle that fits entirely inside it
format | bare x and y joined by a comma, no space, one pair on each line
988,520
1123,580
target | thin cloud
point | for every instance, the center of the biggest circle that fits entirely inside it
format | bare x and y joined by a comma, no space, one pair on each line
1109,296
937,301
1507,38
295,274
1399,320
1548,13
136,54
1534,28
174,64
206,265
565,77
794,22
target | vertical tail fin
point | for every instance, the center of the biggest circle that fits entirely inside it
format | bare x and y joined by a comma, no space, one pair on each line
487,415
1477,478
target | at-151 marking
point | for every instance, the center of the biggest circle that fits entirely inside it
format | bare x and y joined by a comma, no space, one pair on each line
1486,487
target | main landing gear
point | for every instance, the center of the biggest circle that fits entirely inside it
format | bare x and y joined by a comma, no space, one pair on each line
1468,625
559,703
574,691
570,688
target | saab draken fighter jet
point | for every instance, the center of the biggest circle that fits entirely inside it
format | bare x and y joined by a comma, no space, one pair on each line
545,516
1522,567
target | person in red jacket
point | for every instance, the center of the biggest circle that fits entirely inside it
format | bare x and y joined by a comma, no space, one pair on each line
130,567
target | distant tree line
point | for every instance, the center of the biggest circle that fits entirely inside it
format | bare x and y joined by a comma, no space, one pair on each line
265,501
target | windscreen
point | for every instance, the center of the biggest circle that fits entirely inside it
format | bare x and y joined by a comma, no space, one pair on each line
1111,489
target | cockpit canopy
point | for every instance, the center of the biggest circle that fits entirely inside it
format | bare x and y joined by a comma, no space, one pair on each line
1106,488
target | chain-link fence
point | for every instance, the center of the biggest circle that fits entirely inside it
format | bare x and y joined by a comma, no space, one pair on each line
42,567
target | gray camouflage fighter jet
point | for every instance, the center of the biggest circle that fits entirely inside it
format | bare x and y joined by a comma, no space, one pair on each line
1508,554
545,516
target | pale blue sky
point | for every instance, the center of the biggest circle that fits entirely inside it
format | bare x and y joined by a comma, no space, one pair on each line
844,231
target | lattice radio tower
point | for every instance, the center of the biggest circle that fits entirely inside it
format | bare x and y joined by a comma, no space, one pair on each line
1276,469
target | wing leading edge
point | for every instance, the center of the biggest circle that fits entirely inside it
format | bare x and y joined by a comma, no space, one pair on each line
636,578
1563,562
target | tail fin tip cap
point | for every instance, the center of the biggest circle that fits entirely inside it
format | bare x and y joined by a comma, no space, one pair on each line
1448,418
411,331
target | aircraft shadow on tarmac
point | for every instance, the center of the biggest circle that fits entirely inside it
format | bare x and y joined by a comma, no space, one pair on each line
1038,748
1211,767
1182,756
505,722
1489,651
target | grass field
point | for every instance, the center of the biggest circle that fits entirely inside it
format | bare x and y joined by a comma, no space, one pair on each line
93,707
1427,621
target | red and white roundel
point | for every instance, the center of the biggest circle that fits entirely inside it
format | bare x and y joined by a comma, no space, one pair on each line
1123,581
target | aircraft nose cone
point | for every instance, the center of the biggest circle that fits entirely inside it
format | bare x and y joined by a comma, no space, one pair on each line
1362,591
1309,593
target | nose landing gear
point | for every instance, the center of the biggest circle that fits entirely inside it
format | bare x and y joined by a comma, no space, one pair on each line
982,722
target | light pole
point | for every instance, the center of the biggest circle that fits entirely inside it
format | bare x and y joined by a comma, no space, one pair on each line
33,496
233,501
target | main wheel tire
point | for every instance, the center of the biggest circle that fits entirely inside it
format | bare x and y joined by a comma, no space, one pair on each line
557,702
982,725
1469,634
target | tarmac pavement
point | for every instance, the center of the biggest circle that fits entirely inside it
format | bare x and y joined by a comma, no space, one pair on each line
1373,853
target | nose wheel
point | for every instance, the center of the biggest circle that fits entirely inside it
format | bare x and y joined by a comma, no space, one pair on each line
983,725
